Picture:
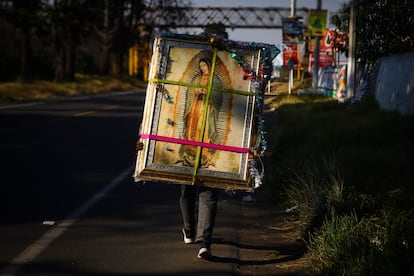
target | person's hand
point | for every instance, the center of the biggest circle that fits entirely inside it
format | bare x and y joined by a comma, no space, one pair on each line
138,146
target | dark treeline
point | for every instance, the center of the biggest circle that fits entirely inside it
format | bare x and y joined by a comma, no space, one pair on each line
53,39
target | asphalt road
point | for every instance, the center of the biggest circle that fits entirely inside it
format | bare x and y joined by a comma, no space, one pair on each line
69,206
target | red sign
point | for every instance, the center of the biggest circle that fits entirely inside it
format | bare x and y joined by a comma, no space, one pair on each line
290,55
325,43
340,40
324,60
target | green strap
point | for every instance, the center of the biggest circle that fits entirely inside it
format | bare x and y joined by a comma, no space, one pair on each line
215,88
240,92
178,83
204,118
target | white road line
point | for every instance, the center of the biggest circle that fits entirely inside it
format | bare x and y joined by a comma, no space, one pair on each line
37,247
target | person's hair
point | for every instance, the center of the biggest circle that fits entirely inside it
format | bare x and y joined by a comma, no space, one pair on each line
207,61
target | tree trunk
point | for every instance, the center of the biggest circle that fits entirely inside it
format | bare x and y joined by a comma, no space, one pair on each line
25,72
58,51
59,64
106,37
116,64
104,60
70,57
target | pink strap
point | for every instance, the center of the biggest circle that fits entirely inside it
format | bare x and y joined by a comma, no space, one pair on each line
194,143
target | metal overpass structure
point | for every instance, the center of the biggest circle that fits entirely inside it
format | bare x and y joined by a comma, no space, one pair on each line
237,17
167,18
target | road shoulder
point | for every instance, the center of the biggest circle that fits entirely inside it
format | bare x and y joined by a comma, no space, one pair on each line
267,243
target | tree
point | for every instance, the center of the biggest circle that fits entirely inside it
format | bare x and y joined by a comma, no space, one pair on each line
216,29
114,32
9,53
143,22
384,27
68,36
68,18
24,16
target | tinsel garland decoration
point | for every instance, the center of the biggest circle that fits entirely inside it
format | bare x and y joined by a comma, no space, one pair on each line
259,80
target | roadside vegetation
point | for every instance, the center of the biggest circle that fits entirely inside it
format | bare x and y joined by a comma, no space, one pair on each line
82,85
346,170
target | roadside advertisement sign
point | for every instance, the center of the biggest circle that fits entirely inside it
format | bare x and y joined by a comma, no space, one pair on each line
332,80
324,60
290,55
293,54
292,42
292,30
317,22
325,44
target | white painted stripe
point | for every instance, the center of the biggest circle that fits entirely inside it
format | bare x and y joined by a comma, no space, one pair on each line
37,247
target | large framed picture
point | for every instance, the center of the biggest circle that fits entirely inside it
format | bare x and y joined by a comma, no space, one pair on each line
202,121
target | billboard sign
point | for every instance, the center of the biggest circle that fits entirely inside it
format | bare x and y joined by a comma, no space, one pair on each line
317,22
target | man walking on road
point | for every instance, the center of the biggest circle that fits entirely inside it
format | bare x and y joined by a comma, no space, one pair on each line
197,226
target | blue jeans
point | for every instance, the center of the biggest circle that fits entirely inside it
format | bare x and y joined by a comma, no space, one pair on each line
199,226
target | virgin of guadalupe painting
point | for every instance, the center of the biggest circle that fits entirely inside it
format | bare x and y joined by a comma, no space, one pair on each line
200,119
200,111
216,110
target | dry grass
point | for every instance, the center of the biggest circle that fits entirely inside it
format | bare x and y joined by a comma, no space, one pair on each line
83,85
281,86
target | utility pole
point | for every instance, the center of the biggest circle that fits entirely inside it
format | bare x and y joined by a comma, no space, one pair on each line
315,69
351,52
292,15
292,8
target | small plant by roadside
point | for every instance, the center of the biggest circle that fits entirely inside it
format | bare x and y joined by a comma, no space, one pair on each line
341,246
315,187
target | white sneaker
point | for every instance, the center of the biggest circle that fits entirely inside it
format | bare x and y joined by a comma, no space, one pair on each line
187,240
204,253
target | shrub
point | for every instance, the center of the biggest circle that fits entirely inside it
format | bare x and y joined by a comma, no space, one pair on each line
394,243
341,246
378,245
315,188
